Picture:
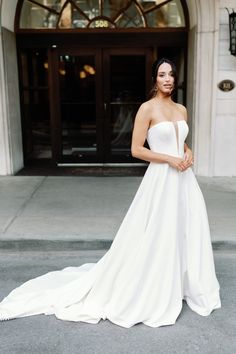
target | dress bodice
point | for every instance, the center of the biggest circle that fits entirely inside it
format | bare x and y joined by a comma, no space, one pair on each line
168,137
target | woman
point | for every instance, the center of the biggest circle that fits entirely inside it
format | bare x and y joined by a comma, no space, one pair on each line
161,254
160,109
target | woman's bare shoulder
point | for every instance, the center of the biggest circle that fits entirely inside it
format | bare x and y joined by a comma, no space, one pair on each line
144,113
182,109
147,105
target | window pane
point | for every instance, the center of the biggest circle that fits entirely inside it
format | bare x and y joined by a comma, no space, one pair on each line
37,115
53,4
112,7
127,91
148,4
79,13
35,108
90,8
78,20
78,105
34,16
34,68
169,15
131,17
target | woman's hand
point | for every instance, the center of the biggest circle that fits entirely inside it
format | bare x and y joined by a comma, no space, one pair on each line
178,163
188,157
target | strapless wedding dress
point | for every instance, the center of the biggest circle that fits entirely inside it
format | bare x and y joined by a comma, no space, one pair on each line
160,256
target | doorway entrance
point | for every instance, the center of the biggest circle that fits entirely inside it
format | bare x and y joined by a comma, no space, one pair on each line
85,68
97,93
80,104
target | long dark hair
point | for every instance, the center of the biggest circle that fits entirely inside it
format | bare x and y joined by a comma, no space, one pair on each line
155,66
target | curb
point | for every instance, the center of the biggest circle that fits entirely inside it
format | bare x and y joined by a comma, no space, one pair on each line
85,245
54,245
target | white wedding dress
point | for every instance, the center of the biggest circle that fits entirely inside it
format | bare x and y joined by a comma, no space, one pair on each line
161,255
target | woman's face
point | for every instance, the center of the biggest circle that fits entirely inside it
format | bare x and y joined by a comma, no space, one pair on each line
165,79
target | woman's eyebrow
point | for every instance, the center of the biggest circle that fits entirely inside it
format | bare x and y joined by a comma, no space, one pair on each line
164,72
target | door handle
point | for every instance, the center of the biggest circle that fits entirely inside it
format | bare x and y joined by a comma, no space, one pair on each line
105,106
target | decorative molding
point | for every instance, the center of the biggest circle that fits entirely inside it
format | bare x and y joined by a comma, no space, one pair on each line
5,159
204,81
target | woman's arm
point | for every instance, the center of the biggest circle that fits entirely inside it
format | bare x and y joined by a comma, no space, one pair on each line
188,155
141,125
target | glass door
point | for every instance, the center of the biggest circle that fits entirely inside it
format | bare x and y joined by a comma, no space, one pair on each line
78,104
96,94
76,109
126,84
35,106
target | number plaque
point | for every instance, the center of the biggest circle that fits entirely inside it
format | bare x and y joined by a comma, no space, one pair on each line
226,85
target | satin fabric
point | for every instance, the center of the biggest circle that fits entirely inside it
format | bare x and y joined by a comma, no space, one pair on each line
160,256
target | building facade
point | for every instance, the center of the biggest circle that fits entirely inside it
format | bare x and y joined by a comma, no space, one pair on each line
73,73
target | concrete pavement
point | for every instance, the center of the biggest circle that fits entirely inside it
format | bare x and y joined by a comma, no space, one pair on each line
191,334
85,212
48,223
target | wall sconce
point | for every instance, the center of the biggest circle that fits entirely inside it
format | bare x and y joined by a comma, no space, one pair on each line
232,31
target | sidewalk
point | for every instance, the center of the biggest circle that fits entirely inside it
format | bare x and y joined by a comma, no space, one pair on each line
78,217
85,212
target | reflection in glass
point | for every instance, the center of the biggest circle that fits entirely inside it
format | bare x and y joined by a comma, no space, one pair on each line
35,99
127,84
78,109
66,17
35,16
123,115
131,17
169,15
90,8
112,7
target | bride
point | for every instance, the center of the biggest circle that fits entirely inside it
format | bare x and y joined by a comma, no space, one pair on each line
161,254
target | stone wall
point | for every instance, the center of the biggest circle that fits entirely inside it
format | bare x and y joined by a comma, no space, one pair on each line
225,120
11,152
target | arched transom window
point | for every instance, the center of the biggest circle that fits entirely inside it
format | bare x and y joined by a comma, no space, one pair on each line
81,14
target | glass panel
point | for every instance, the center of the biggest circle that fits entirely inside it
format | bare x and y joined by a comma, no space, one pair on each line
72,18
66,17
78,20
37,118
78,105
35,112
132,17
34,16
178,18
112,7
34,68
169,15
148,4
77,13
52,4
91,8
127,87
